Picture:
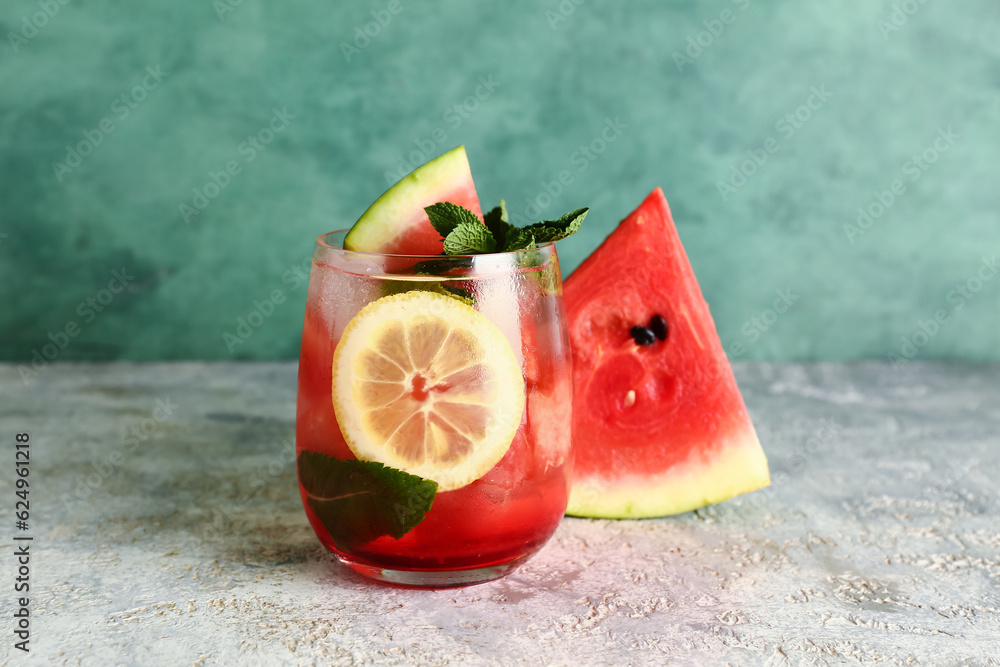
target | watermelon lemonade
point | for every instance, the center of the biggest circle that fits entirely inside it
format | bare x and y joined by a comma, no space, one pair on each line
433,422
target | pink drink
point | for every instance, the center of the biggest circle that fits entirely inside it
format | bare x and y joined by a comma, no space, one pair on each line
486,528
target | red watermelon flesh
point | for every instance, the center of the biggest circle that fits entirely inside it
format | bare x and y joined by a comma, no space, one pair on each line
658,429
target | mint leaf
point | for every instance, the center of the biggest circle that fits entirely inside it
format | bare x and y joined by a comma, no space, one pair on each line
360,501
469,238
499,224
445,217
460,293
556,230
444,266
520,239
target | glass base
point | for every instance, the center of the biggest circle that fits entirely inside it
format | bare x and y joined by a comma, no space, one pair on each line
434,578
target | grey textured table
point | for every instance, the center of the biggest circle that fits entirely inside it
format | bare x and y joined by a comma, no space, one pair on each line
879,541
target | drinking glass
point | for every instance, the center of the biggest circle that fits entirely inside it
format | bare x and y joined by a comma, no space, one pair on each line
500,323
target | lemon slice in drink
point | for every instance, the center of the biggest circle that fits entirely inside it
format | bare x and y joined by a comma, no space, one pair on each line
428,385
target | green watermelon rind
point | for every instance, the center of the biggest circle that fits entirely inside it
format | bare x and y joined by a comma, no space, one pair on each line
380,224
738,467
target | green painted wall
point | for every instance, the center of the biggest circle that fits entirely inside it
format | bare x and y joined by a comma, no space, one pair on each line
884,85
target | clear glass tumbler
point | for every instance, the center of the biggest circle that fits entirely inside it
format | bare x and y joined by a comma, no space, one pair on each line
433,423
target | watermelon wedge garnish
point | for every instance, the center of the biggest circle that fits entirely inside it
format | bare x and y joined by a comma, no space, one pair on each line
659,425
396,224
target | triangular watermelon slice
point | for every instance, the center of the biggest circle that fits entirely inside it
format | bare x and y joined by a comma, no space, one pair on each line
660,427
396,223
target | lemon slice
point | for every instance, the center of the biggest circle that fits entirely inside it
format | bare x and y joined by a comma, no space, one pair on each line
424,383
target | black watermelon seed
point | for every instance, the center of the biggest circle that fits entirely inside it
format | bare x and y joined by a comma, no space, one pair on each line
642,335
658,325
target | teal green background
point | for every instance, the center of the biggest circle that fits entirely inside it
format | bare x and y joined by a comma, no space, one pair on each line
560,75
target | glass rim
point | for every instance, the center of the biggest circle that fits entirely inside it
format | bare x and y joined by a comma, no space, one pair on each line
321,242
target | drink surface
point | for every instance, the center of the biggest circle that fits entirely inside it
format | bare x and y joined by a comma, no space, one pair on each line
512,510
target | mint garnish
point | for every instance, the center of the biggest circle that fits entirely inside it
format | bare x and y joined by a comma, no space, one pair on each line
520,238
445,217
556,230
499,224
469,238
465,234
360,501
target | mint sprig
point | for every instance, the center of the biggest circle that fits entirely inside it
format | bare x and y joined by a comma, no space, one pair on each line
465,234
445,217
360,501
556,230
469,238
499,224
